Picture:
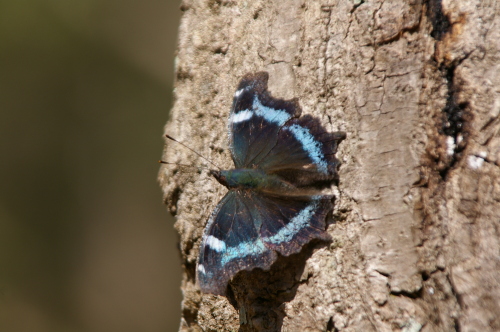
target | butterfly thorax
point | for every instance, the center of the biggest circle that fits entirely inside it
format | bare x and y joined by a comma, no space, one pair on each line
255,179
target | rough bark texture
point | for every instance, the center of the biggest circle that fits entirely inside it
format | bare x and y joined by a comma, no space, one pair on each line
416,86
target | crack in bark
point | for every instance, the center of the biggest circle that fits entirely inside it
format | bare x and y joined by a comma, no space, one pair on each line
440,23
455,113
454,116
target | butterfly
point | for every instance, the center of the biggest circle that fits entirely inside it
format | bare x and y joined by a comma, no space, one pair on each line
273,205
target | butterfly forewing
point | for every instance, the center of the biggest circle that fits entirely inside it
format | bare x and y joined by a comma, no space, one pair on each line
255,120
267,133
304,153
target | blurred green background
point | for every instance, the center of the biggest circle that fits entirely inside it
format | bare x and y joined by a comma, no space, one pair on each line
85,90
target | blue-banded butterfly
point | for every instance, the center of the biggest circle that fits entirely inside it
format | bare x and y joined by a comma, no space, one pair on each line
273,204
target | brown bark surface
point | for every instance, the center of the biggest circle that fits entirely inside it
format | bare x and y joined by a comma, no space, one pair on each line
416,86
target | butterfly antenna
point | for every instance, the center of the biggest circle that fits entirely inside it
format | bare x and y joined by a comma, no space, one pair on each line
187,147
183,165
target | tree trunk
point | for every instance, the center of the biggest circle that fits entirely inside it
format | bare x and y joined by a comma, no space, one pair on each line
416,86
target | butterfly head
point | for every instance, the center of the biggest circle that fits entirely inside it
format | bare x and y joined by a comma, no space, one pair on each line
220,176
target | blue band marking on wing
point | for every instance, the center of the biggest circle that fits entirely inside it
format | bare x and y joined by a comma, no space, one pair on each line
311,145
241,116
270,114
215,244
297,223
242,250
285,234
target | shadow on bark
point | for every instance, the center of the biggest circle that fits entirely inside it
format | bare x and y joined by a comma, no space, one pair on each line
259,295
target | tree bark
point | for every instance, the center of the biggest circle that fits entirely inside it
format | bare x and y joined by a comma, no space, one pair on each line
416,86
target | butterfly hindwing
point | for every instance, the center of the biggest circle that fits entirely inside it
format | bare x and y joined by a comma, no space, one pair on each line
292,221
231,243
247,229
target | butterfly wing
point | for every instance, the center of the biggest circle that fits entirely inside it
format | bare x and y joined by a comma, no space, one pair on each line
256,119
304,153
267,133
247,229
231,243
292,221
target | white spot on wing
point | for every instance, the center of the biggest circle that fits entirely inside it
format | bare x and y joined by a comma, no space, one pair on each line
241,116
201,269
279,117
238,93
215,244
310,145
